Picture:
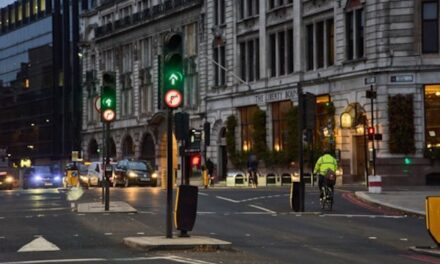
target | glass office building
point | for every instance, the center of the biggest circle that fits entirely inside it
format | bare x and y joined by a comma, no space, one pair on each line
35,121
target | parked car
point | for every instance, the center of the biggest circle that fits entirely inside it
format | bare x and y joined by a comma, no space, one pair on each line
95,173
129,172
41,176
6,180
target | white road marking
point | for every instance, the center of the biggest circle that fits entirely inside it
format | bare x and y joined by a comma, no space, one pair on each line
2,217
251,213
404,239
2,237
108,234
145,212
202,213
140,233
76,235
372,238
262,208
365,216
39,244
203,194
227,199
85,260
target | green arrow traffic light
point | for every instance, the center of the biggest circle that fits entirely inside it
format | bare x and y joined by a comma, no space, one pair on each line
173,76
108,97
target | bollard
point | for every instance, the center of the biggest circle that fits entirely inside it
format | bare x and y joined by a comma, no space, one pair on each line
374,184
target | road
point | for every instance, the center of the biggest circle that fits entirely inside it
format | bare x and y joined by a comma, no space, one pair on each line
258,222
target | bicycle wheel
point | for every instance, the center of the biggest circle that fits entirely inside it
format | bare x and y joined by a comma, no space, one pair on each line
322,199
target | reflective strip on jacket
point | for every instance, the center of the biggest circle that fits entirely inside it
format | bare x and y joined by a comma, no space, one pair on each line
324,163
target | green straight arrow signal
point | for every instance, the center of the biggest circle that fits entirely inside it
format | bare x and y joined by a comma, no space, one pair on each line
108,102
173,79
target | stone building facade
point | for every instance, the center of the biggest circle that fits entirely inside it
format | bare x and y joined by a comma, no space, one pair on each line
254,54
336,50
126,38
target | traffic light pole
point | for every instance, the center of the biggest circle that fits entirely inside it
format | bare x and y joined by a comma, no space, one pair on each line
372,141
301,146
169,226
107,162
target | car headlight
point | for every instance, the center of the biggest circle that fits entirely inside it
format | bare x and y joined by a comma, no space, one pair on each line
38,178
132,174
9,179
154,175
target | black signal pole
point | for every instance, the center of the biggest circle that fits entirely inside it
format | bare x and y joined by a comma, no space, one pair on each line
301,146
107,162
169,230
372,97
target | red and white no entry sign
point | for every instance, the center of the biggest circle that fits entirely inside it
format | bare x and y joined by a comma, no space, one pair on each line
173,98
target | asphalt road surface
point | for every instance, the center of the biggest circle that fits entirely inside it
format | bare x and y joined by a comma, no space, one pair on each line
258,222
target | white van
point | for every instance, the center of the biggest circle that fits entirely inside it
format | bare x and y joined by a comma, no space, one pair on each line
95,173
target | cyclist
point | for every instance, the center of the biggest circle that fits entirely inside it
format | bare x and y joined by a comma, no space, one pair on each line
325,162
252,169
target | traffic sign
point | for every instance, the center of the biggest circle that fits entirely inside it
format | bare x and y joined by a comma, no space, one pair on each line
98,103
109,115
173,98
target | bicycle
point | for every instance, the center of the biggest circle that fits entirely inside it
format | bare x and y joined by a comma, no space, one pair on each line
327,195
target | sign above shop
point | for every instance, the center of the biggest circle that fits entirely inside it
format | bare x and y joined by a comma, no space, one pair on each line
276,96
402,78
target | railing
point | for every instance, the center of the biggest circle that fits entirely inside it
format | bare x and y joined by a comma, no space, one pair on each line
165,8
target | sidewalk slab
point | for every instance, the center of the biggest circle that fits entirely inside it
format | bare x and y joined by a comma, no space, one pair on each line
407,201
433,251
180,243
115,207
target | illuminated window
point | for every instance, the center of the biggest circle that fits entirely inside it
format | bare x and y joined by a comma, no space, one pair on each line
432,118
27,9
42,5
26,83
247,128
35,8
20,12
279,123
12,16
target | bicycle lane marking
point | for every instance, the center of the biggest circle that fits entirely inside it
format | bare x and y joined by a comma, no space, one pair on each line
262,208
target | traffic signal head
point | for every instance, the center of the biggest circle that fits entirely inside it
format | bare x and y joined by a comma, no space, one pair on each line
108,97
370,130
196,160
173,75
407,161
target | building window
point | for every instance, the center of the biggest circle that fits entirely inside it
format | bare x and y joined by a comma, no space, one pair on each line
42,5
191,81
279,123
248,8
146,52
247,128
19,13
354,26
250,60
430,27
281,53
277,3
27,9
35,8
108,60
220,59
320,44
219,12
146,91
432,118
127,58
126,95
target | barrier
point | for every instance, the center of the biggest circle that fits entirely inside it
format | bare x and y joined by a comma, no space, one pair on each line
374,184
286,178
433,217
236,178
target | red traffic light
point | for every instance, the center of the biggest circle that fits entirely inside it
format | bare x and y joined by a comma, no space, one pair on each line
196,159
370,130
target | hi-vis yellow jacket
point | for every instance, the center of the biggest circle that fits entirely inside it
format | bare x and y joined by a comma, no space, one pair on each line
324,163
